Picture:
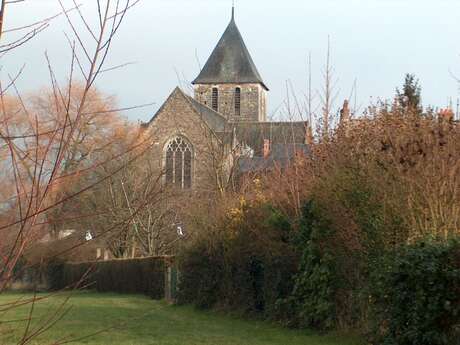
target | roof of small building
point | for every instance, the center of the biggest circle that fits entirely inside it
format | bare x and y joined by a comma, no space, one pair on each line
253,134
230,61
280,155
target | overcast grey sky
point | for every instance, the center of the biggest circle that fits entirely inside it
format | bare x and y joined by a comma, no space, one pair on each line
373,41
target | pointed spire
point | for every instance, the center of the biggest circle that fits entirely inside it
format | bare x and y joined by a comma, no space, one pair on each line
230,61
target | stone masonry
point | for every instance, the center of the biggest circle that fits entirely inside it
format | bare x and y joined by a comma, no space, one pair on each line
177,117
252,103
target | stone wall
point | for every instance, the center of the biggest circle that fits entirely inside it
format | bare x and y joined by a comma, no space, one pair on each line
178,118
253,100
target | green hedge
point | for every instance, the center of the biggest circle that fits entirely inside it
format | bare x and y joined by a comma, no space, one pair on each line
202,273
416,295
312,302
137,276
250,283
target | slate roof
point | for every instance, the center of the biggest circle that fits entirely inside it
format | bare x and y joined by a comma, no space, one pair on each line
280,155
279,133
230,62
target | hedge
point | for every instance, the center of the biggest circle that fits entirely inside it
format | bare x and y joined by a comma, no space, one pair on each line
403,295
247,268
416,295
134,276
312,302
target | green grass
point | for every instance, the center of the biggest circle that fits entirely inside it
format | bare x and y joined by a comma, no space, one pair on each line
139,320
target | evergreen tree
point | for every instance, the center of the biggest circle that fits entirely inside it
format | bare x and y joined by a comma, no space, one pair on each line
409,97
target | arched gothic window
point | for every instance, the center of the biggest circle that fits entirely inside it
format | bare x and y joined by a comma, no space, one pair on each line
179,163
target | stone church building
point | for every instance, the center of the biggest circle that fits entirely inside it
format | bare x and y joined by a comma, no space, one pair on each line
205,141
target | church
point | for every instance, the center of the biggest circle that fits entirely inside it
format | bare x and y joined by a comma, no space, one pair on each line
206,141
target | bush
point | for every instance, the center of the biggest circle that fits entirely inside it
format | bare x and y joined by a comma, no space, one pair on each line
246,265
262,265
55,275
137,276
416,295
312,301
201,276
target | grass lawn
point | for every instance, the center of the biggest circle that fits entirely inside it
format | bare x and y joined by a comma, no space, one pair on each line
137,320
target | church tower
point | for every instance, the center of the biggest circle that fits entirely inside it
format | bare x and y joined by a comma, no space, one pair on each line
229,82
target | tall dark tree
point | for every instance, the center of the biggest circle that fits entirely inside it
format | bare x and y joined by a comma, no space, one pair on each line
409,97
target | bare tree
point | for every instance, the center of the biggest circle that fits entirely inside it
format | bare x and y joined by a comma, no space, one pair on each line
133,201
45,146
329,93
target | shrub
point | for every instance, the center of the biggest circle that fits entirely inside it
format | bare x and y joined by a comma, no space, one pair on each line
201,276
312,301
55,275
416,295
245,265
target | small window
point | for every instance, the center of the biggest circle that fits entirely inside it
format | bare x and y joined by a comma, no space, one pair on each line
215,99
237,101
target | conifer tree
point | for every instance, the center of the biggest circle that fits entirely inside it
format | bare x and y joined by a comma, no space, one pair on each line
409,98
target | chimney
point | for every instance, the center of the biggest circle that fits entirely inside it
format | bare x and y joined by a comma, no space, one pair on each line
309,135
266,147
447,115
345,112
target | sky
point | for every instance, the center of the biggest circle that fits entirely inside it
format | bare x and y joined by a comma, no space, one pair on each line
374,43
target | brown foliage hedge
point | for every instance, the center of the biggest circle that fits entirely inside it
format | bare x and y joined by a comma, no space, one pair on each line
380,183
385,182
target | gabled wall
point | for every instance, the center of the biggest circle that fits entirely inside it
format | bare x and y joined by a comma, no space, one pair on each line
178,117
